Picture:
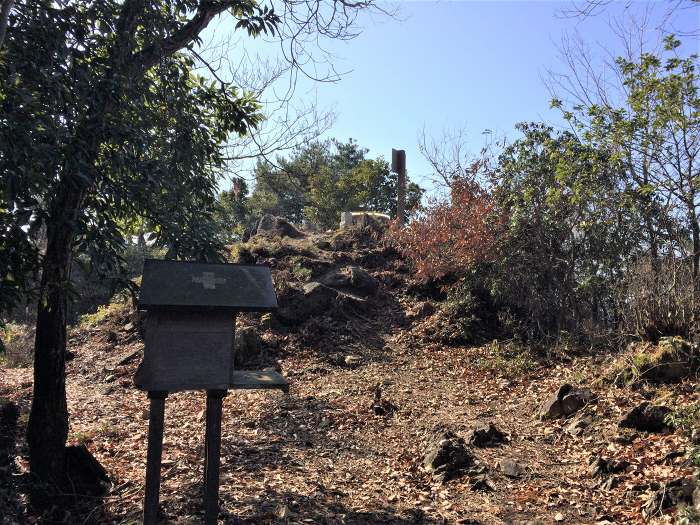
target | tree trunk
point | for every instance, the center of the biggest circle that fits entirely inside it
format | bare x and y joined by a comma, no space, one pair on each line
48,421
695,329
5,8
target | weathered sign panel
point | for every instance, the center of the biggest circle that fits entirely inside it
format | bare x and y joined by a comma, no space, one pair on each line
187,351
187,285
191,318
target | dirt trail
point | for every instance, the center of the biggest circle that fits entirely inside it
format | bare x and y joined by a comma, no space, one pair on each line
320,455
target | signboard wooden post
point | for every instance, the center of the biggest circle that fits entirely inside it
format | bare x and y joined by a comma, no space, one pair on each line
189,346
398,166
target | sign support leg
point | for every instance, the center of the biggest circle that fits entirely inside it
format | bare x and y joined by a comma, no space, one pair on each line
154,456
212,448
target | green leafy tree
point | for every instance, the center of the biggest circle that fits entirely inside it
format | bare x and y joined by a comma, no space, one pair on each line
325,178
566,231
652,130
233,210
368,185
102,119
281,189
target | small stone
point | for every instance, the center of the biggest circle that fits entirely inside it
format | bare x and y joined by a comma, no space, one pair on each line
558,517
106,390
625,437
695,436
510,468
609,483
481,483
578,425
266,322
282,512
352,360
566,402
447,456
601,466
485,436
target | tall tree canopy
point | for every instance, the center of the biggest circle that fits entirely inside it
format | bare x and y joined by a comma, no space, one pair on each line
323,179
651,128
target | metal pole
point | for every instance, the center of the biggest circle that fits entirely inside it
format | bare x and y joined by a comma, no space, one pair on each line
212,447
398,166
154,456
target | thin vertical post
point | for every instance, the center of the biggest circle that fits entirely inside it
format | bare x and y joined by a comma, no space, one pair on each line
398,166
212,448
154,456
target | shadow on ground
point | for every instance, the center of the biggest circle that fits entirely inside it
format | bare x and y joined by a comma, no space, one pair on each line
322,507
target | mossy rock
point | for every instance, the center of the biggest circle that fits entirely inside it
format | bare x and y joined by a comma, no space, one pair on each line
671,360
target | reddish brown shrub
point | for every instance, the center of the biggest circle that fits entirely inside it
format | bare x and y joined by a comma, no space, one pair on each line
450,236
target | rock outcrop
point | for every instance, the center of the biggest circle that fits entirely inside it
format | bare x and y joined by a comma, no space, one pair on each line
647,417
352,279
271,225
485,436
247,347
447,456
566,402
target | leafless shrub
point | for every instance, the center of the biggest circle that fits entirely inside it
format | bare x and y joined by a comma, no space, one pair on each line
17,341
658,298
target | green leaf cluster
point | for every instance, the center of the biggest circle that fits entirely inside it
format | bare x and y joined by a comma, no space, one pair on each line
320,180
108,132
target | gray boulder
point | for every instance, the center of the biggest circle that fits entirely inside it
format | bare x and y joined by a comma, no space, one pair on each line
271,225
299,305
566,402
647,417
578,425
351,278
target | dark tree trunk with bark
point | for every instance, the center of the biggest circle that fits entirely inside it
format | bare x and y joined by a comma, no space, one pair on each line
695,329
48,421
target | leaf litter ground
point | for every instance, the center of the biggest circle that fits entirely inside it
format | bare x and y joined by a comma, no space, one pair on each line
321,455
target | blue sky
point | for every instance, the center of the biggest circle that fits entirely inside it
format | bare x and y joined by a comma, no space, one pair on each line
474,65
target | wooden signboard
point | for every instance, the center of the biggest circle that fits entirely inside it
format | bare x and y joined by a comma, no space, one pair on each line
178,285
187,351
189,346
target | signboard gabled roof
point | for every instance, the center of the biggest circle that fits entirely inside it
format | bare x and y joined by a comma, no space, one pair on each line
194,285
